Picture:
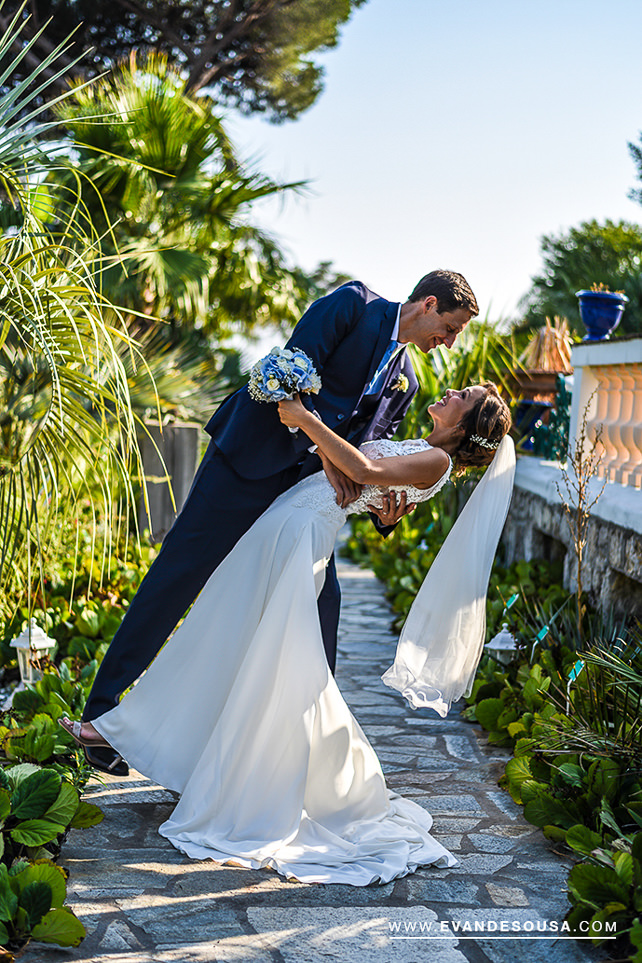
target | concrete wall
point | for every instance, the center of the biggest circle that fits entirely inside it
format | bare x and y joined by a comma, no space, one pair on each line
537,528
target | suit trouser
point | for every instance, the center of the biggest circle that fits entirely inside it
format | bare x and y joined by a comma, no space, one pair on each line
220,508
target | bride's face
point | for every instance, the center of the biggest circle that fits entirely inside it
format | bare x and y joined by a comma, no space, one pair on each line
449,411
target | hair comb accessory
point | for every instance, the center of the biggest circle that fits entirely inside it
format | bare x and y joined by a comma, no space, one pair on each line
484,442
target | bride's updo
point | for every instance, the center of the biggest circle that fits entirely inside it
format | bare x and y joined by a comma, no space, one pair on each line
484,427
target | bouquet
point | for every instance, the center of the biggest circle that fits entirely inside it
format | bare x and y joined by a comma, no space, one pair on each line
281,374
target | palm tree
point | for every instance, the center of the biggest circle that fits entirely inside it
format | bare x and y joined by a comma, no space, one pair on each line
161,182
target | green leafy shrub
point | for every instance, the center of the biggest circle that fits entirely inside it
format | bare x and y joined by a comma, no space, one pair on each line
577,762
84,627
607,887
37,807
29,731
31,904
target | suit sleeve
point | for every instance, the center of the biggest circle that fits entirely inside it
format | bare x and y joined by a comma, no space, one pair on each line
326,323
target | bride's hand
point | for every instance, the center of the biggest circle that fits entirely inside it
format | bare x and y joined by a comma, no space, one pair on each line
292,413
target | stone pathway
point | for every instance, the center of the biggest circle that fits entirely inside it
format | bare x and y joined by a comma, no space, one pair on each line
143,902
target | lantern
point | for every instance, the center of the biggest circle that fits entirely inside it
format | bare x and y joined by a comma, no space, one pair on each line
502,646
32,645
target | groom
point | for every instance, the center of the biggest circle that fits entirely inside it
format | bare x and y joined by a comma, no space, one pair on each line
357,342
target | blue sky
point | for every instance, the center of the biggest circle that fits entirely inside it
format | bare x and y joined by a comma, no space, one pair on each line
454,134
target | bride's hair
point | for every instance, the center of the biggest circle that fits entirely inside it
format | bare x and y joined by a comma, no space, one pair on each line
484,427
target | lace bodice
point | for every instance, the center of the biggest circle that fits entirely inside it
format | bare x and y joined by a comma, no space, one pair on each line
317,492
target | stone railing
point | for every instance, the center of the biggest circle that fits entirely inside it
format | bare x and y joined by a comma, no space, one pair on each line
608,378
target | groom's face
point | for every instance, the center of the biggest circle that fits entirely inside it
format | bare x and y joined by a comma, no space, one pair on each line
435,329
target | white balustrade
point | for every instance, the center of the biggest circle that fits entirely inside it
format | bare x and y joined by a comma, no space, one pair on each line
608,379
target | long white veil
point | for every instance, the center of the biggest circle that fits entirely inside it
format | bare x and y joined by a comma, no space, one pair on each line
442,640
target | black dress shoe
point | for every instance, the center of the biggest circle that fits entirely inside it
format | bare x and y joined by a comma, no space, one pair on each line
107,760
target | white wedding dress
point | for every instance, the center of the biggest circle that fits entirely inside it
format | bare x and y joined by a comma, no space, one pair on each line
240,714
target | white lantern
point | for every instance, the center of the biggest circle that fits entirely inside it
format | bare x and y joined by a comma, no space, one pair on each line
32,645
502,646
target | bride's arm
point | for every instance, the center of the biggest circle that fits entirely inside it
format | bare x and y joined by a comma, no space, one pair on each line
346,488
422,469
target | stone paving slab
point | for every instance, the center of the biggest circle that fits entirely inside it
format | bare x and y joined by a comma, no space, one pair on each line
144,902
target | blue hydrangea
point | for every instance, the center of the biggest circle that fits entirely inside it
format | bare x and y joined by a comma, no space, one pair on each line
282,373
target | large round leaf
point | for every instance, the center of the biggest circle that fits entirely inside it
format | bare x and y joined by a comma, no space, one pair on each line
36,832
597,885
35,900
583,839
45,871
88,622
65,806
26,702
59,926
8,899
35,744
518,770
16,774
531,789
624,867
87,814
488,712
35,794
574,775
546,809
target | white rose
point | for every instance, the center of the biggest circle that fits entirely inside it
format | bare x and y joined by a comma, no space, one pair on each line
273,384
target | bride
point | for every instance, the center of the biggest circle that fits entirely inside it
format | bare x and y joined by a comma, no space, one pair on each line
239,712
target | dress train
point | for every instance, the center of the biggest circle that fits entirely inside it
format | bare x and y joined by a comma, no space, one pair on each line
240,714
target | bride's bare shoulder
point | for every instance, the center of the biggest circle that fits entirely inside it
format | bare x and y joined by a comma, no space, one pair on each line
435,463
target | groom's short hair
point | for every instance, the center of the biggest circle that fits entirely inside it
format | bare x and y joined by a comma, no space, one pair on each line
452,291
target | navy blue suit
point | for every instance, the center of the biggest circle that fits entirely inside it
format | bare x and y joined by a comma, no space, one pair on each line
251,459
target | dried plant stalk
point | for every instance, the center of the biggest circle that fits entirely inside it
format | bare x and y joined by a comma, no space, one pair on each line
577,502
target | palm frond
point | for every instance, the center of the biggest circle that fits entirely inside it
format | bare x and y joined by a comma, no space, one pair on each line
603,706
162,174
68,447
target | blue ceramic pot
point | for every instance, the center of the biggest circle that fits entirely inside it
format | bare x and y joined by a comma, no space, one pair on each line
601,312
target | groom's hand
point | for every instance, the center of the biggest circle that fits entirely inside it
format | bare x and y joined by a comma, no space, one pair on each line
347,490
391,512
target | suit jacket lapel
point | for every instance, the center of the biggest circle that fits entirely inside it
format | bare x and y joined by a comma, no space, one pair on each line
383,340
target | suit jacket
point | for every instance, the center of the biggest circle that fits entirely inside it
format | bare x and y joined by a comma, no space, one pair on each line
345,334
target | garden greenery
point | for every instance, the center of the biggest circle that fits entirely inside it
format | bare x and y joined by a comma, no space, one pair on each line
569,709
68,454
